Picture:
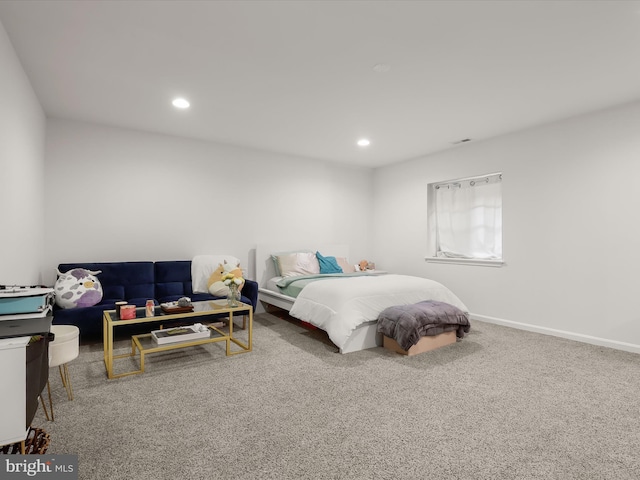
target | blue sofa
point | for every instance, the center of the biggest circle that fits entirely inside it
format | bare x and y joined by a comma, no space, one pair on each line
137,282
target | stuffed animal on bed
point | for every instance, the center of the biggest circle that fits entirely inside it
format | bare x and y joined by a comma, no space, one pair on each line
216,284
78,288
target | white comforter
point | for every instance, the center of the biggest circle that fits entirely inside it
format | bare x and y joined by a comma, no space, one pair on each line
339,305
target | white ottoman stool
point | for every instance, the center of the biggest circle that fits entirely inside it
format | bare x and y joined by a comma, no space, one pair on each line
64,348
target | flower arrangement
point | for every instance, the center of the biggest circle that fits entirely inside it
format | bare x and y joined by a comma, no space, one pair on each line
230,278
234,283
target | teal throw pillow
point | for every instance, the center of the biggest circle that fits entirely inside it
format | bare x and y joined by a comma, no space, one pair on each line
328,264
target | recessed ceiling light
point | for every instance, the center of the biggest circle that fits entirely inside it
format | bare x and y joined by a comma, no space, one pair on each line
180,103
363,142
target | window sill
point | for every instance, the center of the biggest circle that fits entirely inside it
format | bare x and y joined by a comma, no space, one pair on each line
466,261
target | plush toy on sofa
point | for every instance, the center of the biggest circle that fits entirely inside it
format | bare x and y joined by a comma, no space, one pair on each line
216,284
78,288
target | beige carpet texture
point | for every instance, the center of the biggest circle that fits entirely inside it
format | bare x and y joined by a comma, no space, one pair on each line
500,404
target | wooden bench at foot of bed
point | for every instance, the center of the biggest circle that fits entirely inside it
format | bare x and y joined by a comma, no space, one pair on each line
421,326
425,343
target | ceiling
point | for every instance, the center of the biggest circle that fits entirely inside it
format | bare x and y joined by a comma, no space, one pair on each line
299,77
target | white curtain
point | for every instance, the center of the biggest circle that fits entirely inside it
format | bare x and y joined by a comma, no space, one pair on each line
469,219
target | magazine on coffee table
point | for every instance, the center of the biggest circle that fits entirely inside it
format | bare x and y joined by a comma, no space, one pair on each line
180,334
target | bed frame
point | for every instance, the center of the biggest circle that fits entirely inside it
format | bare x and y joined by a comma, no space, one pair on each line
363,337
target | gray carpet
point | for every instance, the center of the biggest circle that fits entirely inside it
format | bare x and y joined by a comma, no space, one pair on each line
501,404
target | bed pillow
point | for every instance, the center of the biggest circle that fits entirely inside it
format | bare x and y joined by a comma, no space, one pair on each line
328,264
345,265
296,264
276,263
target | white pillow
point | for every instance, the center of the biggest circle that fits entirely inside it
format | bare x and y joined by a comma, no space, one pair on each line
276,264
345,265
202,266
299,263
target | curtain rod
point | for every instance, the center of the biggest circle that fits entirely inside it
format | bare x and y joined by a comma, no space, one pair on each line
472,181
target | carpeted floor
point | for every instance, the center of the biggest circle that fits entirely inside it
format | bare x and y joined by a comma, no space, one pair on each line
501,404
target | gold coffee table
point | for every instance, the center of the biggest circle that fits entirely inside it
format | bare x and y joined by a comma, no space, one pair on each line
143,344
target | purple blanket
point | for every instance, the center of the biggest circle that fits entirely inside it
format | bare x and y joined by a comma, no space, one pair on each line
407,323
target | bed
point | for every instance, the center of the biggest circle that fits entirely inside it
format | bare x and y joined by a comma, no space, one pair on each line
347,305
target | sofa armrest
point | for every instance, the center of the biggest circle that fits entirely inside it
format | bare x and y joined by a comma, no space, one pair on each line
250,290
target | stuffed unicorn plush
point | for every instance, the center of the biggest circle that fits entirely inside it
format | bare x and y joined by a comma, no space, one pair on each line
78,288
216,284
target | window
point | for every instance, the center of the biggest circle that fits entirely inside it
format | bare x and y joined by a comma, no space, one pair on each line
465,220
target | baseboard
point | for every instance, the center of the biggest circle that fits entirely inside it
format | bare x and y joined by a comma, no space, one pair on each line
603,342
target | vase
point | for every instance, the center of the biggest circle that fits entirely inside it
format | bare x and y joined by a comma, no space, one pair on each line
233,296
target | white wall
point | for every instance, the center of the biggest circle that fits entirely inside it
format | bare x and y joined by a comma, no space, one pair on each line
122,195
22,130
571,231
570,241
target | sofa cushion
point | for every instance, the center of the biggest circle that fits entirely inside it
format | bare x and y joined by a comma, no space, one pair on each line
173,280
201,297
87,319
139,301
140,291
169,289
112,293
121,280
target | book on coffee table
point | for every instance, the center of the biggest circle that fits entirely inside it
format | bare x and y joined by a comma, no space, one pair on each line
178,334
